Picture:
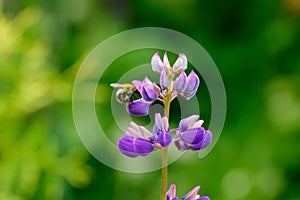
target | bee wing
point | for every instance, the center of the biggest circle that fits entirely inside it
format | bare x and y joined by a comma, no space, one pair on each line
126,85
116,85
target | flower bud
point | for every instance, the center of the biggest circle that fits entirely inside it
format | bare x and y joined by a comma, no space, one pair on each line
180,64
156,63
192,82
148,93
180,82
164,79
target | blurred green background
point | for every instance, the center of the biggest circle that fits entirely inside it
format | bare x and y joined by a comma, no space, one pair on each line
255,44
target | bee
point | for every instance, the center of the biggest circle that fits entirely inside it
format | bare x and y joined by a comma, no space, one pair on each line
126,92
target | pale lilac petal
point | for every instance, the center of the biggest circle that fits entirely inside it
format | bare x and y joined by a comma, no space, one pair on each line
164,79
137,84
181,146
198,124
156,88
165,124
156,63
126,147
138,108
164,138
166,62
171,194
128,135
192,195
192,82
158,121
193,136
147,81
145,132
142,147
180,82
188,122
188,95
134,133
134,126
148,93
207,138
181,63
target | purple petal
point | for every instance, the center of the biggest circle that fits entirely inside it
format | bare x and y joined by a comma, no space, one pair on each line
203,198
192,82
188,122
138,108
181,63
180,82
142,147
164,79
181,146
126,147
171,194
156,63
148,93
164,138
204,143
193,136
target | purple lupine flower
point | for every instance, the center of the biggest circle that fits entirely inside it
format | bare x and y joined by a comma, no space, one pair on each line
183,86
149,90
161,130
139,141
191,83
190,134
192,195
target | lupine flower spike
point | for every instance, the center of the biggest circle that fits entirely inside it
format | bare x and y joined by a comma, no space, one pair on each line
189,135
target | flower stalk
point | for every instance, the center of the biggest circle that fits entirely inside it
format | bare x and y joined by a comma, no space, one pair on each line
190,135
164,153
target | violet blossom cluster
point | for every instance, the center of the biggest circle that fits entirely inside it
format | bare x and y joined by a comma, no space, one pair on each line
190,135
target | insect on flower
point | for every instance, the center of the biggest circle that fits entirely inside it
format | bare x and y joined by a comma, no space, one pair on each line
126,92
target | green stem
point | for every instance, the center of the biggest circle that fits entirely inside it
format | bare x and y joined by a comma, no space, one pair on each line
164,173
164,154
